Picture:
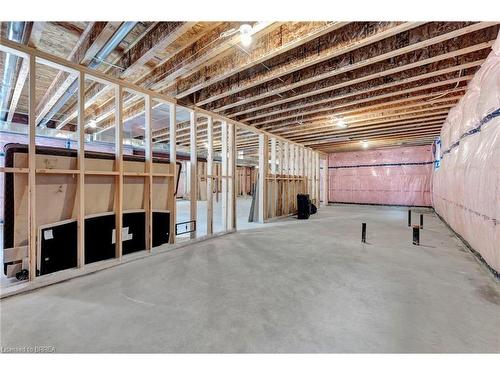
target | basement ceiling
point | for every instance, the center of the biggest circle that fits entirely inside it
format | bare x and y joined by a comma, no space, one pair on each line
327,85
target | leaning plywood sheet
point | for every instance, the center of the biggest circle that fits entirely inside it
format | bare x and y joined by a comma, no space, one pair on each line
56,192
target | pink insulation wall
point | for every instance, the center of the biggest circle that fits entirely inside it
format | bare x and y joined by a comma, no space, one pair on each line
466,187
399,176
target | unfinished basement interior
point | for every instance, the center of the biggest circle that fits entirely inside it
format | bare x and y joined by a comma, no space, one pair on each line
250,187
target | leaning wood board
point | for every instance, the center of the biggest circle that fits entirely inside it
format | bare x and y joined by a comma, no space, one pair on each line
56,193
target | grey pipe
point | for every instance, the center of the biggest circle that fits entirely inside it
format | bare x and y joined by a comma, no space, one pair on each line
109,47
16,30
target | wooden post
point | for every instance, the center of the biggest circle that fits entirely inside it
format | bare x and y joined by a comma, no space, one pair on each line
301,162
81,172
309,173
306,170
313,176
297,160
193,196
210,180
317,180
32,237
303,169
231,176
224,175
173,160
274,192
148,156
325,181
286,181
280,182
119,169
291,182
263,161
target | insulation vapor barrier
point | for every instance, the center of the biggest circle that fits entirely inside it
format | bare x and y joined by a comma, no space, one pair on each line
466,186
395,176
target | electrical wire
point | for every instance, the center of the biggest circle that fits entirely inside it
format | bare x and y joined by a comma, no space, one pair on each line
445,93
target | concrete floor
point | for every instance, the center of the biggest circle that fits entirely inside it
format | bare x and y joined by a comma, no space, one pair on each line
183,214
294,286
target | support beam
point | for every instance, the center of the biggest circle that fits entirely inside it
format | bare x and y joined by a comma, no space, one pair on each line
32,236
274,192
194,171
286,167
402,70
210,177
119,168
133,61
33,40
36,33
378,88
231,161
263,163
81,172
325,181
350,81
16,95
173,160
317,178
149,183
445,36
274,42
91,41
312,52
193,56
225,167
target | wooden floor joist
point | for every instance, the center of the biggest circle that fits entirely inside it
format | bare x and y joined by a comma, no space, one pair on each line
294,81
343,65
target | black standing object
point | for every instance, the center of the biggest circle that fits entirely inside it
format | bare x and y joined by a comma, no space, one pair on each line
58,247
416,235
99,242
303,206
421,221
134,236
363,232
409,218
161,228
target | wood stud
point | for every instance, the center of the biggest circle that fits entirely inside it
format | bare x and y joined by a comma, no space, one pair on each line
286,159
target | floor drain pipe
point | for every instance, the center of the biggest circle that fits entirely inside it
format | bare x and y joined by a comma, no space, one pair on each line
416,235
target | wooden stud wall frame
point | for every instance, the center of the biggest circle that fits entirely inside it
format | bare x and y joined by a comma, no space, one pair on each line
291,170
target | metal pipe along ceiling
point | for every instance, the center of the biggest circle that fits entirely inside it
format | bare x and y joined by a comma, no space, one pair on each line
105,51
16,30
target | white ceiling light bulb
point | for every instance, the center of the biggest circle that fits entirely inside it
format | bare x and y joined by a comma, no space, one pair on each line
341,123
246,34
364,144
93,124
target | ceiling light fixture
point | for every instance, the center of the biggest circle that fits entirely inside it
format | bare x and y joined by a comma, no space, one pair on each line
364,144
341,123
93,124
246,34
